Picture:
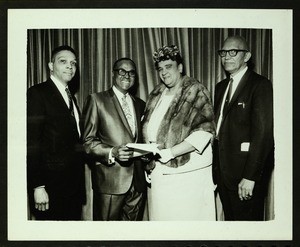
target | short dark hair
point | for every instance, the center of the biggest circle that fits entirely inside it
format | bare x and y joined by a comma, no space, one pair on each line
61,48
123,59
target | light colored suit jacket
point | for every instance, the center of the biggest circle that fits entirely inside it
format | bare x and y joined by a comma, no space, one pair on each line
106,126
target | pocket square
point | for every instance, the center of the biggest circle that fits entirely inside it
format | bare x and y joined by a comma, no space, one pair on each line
242,104
245,146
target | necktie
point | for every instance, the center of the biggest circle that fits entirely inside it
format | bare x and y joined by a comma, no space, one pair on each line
73,120
128,114
220,112
70,101
227,100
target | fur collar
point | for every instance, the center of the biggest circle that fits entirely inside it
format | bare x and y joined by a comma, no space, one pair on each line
190,110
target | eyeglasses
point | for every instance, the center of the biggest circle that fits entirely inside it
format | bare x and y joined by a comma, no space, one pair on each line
232,53
123,72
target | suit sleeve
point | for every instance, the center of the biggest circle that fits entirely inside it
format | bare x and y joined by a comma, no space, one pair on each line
91,134
261,138
35,126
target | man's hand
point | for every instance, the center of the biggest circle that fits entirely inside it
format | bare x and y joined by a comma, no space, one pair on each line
122,153
245,189
41,199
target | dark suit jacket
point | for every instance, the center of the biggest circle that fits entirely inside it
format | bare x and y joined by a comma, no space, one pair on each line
249,119
54,153
105,126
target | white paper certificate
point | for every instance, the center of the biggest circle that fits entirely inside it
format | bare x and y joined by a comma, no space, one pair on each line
142,149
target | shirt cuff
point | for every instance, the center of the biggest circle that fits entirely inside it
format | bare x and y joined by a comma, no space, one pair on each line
111,159
39,187
199,140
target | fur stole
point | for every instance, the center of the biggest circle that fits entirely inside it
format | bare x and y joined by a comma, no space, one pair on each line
190,110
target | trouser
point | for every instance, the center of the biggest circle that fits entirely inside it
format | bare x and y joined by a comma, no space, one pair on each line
235,209
128,206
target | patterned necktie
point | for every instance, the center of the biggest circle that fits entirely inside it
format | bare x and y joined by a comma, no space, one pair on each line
228,96
128,114
70,101
73,120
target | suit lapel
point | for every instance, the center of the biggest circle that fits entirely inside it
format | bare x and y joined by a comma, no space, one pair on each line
59,100
219,99
57,97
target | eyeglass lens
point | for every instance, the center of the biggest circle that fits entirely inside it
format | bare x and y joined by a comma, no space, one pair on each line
123,72
231,53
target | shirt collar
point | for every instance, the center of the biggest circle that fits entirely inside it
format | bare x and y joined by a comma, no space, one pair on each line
118,93
58,84
237,77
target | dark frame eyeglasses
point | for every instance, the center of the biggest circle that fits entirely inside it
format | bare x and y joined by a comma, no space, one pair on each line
232,52
123,72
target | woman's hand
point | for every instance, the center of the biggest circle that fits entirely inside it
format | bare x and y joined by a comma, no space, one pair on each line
165,155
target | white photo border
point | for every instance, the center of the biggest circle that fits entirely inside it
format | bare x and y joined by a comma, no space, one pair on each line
20,20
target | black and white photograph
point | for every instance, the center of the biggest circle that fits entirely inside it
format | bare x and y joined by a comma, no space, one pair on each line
167,125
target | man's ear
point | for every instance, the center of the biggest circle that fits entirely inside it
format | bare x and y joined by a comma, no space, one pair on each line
50,65
113,76
247,57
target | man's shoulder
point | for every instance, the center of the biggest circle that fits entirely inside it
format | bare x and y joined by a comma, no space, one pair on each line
102,94
40,87
258,82
257,77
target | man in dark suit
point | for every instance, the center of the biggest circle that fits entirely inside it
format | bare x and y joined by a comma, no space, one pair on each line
55,164
244,117
111,120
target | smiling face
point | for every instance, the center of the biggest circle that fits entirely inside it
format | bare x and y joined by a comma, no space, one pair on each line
170,72
63,66
123,82
235,64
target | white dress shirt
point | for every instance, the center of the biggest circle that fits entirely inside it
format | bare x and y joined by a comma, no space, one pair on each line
129,101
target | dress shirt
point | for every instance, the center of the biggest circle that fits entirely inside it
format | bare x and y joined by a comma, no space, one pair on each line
158,114
128,99
236,80
120,95
62,89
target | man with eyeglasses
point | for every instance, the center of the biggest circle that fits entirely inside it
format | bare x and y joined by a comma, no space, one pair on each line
111,120
244,138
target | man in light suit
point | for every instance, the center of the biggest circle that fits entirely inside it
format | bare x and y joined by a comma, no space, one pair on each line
244,143
55,157
109,124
